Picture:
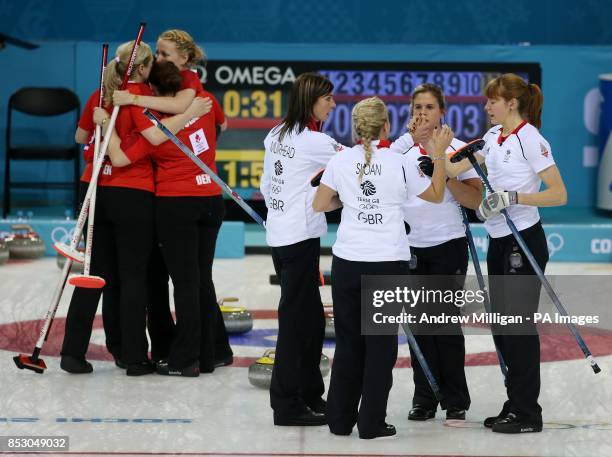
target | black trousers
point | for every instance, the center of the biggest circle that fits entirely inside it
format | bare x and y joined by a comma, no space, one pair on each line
296,376
159,316
363,364
188,229
521,351
122,243
84,304
445,352
82,312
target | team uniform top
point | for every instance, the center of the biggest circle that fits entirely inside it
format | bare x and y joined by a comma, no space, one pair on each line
190,80
402,144
513,164
372,223
285,184
86,122
175,173
432,224
139,175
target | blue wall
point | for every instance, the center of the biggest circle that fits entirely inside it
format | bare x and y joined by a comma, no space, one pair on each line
298,21
571,40
569,79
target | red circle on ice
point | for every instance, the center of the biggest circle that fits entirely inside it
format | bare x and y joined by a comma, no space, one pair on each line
557,344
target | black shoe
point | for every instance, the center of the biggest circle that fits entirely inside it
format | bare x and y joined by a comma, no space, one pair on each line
118,362
140,369
514,424
318,406
455,414
489,421
421,413
207,368
385,431
306,418
192,371
224,361
75,365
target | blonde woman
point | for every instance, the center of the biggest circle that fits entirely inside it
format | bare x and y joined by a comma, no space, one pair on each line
123,238
178,47
371,184
189,210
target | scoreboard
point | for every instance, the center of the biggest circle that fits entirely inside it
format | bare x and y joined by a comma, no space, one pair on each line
254,96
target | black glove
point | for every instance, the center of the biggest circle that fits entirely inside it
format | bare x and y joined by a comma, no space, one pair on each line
426,165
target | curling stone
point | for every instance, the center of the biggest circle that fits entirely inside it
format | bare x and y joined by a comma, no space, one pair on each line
4,252
24,243
237,319
330,331
260,372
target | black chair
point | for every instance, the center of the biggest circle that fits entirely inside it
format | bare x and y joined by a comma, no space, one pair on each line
44,102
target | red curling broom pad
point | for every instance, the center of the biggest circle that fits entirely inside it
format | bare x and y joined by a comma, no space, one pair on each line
87,282
24,361
72,254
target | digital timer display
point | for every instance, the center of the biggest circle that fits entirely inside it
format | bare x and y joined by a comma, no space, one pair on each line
254,97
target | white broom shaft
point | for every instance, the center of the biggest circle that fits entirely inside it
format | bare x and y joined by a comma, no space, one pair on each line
92,210
97,135
98,161
57,295
97,166
78,230
90,228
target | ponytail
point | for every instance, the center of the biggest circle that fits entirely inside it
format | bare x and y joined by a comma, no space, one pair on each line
113,77
369,117
533,110
115,70
367,145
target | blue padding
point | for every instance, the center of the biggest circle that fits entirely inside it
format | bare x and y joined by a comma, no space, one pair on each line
230,243
566,242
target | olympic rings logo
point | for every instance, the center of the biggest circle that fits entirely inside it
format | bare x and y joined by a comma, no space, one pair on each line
201,69
367,206
61,235
555,243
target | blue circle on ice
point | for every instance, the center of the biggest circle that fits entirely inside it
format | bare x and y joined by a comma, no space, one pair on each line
266,337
